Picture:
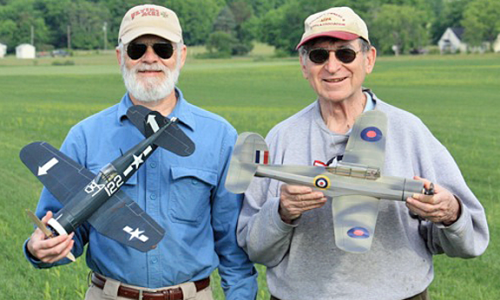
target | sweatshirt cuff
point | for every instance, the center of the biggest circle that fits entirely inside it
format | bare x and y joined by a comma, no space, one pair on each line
274,204
460,223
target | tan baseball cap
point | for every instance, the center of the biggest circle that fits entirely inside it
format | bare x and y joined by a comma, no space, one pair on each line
337,22
150,19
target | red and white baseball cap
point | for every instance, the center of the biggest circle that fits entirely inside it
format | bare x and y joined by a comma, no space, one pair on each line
336,22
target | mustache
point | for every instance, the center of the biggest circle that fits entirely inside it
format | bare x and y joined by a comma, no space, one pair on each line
149,67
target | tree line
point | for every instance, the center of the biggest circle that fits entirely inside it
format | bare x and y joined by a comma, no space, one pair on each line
228,27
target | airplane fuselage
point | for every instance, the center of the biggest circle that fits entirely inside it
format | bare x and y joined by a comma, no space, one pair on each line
107,182
334,185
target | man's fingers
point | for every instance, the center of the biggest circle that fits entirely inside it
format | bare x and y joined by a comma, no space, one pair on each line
47,217
61,251
424,198
296,189
314,196
51,250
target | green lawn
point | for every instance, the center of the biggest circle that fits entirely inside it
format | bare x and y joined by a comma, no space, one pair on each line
456,96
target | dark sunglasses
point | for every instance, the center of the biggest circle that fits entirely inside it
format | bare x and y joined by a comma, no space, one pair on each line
344,55
137,50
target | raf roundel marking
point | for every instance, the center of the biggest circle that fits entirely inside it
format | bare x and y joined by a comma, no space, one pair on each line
322,182
358,233
371,134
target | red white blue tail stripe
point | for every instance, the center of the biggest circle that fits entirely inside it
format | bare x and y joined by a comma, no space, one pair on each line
261,157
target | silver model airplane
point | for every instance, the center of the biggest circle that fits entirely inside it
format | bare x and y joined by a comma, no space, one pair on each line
355,184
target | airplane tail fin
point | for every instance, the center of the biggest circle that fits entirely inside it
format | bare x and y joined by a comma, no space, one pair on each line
250,151
172,139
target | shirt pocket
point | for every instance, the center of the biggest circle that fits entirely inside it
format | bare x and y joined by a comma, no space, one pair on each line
190,193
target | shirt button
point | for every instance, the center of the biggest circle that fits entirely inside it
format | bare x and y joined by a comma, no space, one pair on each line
154,260
153,196
152,165
194,181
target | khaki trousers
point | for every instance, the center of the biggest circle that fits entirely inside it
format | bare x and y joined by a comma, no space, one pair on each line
110,290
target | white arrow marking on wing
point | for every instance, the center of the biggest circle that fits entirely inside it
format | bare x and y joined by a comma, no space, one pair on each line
152,122
48,165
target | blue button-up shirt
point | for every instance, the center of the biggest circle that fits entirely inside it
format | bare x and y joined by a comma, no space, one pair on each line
185,195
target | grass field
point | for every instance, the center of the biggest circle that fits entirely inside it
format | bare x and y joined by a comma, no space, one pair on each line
458,97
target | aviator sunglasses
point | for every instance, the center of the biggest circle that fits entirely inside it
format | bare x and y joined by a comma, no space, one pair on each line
137,50
321,55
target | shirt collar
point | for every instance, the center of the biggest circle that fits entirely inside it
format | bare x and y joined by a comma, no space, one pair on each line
182,110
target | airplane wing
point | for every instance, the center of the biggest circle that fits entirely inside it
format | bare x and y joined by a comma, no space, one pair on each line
122,220
173,138
355,216
354,220
366,144
61,175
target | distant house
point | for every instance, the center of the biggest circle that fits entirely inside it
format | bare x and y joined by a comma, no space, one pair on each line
3,50
451,41
496,44
25,51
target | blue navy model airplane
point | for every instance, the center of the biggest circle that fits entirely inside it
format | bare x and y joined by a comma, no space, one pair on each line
98,198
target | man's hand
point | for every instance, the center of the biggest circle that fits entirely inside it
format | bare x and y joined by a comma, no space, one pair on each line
295,200
49,250
442,207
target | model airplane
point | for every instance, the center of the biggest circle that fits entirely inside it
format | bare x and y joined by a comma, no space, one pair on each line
98,198
355,184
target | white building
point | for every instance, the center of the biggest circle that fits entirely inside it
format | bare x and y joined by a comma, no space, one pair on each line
25,51
496,44
3,50
451,41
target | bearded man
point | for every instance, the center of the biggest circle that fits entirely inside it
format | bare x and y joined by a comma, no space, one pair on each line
185,195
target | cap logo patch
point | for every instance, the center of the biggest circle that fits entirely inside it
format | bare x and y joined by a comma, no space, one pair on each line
145,12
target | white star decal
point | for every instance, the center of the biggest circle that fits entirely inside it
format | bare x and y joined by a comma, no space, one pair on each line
135,234
137,161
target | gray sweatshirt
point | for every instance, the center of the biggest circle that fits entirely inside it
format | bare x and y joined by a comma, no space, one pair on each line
302,259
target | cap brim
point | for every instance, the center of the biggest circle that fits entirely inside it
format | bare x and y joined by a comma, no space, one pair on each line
342,35
133,34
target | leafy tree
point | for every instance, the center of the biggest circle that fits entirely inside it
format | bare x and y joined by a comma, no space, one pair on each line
24,16
116,10
56,17
220,43
284,26
404,27
481,21
450,15
225,21
236,20
86,20
8,30
196,18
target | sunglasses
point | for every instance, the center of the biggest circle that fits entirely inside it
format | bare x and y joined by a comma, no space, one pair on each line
321,55
137,50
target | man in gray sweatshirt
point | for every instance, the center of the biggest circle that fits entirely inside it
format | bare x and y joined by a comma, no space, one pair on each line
290,228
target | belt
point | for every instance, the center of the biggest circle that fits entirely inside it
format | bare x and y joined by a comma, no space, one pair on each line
423,295
165,294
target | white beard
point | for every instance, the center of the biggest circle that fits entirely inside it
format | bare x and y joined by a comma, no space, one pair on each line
149,89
